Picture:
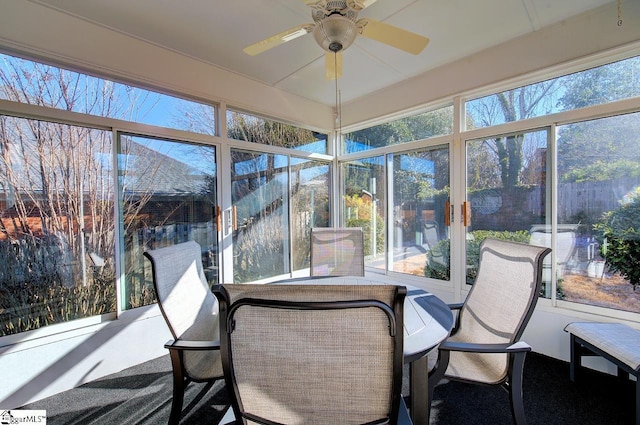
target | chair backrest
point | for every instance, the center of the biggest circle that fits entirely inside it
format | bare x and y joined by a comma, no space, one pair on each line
337,251
313,354
502,298
186,301
430,233
565,240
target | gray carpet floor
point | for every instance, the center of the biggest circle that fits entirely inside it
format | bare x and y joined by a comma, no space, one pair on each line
142,395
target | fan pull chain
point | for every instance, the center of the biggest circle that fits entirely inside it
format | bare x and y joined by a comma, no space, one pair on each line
619,13
338,114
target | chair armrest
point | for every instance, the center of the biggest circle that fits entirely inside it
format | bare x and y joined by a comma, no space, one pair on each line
516,347
455,306
187,345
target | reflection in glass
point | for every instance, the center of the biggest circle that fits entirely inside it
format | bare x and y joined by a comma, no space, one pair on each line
168,192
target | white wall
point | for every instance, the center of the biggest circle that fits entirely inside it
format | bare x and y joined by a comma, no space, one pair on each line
37,364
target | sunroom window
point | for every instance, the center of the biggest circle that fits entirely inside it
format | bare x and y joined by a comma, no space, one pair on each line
38,84
595,86
415,127
56,224
251,128
599,210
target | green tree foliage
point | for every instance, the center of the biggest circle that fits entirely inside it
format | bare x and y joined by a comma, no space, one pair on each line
603,170
600,149
404,130
602,84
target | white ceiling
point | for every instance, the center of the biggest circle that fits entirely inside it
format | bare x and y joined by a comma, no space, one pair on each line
216,31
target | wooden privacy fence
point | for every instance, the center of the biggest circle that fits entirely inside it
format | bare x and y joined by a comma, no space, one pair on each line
593,198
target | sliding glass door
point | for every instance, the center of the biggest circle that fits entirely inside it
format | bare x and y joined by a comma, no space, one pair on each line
260,215
420,195
400,201
507,194
168,193
276,199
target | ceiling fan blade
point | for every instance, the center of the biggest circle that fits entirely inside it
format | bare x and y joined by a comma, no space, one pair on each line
333,65
278,39
396,37
360,4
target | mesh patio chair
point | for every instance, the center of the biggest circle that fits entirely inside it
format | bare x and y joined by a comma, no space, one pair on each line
484,346
337,251
313,354
191,312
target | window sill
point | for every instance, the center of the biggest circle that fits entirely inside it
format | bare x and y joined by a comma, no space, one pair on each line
61,331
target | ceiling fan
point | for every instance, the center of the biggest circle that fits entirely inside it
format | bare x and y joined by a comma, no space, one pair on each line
335,28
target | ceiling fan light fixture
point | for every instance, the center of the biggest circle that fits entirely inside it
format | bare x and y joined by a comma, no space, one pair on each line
335,33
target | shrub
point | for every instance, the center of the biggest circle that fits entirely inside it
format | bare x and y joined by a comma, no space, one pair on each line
619,237
438,261
30,305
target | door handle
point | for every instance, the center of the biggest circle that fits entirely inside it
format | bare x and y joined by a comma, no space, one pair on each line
234,217
447,213
466,213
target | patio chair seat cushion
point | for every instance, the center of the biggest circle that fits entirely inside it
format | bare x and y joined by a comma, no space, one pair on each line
617,339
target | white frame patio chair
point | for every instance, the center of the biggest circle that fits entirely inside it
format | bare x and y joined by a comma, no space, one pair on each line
313,354
191,312
484,346
337,251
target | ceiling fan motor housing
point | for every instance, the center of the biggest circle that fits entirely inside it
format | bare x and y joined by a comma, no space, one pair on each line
335,33
336,27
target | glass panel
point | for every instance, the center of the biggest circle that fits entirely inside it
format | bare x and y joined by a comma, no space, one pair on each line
507,190
260,197
595,86
599,202
364,205
56,224
420,194
169,196
310,203
34,83
416,127
254,129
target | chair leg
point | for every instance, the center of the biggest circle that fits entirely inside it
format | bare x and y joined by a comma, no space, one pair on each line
179,384
437,373
637,400
575,359
515,388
